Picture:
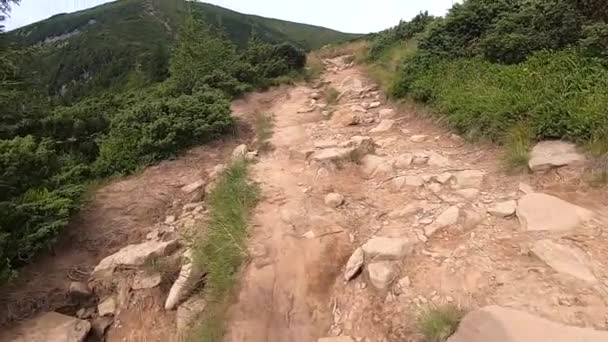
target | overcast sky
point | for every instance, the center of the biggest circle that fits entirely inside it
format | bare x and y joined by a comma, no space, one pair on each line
359,16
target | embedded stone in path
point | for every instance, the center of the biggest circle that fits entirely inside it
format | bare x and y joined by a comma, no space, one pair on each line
49,327
418,138
447,218
408,210
565,259
404,161
334,200
386,113
437,160
503,209
134,255
373,166
354,264
384,248
556,153
384,126
500,324
537,211
469,179
344,118
381,274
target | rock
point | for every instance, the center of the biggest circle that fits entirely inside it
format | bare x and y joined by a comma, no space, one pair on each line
373,166
443,178
408,210
565,259
188,312
385,125
414,181
250,156
217,171
551,154
358,109
142,280
472,219
79,290
383,248
239,152
344,118
470,194
404,161
315,96
427,178
404,282
107,307
362,146
352,150
321,144
354,264
386,113
333,155
469,179
334,200
447,218
190,188
381,274
170,219
435,188
420,159
500,324
336,339
49,327
99,326
418,138
134,255
437,160
85,313
537,211
189,276
375,104
525,188
503,209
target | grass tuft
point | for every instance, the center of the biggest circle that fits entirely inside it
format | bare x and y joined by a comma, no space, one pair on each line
331,96
438,323
517,149
222,249
264,124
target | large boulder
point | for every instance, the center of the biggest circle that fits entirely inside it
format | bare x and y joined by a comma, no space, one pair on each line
189,276
134,255
564,259
384,248
538,211
550,154
500,324
49,327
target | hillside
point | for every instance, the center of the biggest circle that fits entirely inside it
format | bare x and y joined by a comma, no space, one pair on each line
128,41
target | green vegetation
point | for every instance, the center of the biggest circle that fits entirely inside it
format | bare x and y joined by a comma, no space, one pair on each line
438,323
114,98
222,249
489,66
331,96
517,152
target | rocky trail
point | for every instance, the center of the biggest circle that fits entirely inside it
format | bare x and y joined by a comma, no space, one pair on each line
371,212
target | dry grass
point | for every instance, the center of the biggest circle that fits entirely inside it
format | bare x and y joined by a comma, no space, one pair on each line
517,149
436,324
358,49
264,124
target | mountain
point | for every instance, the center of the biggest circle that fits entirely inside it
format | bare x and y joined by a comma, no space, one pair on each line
129,41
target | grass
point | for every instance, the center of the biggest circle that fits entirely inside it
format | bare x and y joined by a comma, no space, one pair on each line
331,96
356,48
517,149
438,323
385,69
264,124
314,67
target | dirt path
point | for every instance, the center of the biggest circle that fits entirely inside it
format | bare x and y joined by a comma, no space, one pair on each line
293,290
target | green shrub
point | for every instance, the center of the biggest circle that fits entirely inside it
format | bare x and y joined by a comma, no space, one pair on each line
156,129
438,323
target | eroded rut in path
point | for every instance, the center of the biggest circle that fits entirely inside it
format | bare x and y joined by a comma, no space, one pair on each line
343,176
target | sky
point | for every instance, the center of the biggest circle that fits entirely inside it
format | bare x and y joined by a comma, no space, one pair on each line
357,16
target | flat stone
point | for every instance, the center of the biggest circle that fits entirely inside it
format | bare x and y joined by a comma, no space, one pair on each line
375,104
384,126
551,154
358,109
99,326
418,138
500,324
190,188
79,290
354,264
373,166
472,219
409,210
404,161
333,154
48,327
142,280
188,312
565,259
420,159
384,248
503,209
386,113
443,178
414,181
537,211
107,307
189,275
381,274
344,118
321,144
336,339
437,160
334,200
134,255
435,188
447,218
469,179
239,152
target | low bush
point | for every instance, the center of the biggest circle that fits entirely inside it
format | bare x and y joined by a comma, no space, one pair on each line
438,323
